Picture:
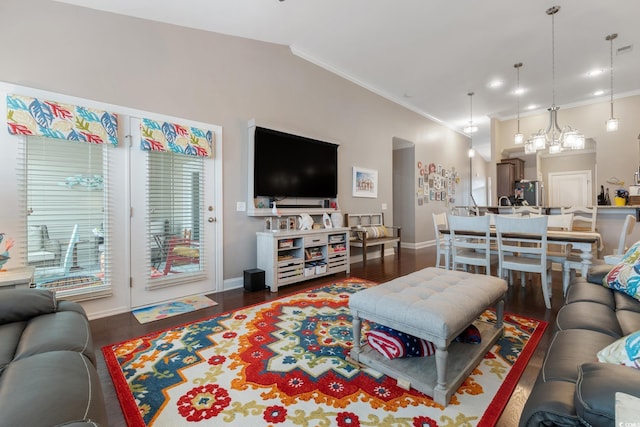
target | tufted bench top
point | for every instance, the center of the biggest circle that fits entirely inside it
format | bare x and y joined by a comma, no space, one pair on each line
433,303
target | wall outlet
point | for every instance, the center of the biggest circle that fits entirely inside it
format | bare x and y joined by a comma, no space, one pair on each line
384,206
241,206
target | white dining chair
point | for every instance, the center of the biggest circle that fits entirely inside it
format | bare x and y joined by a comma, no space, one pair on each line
526,253
470,239
439,223
584,217
574,261
558,253
528,210
504,210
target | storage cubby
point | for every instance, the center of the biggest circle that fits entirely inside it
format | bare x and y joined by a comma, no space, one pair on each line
290,256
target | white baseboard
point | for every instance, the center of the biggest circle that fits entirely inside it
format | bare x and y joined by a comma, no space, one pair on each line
418,245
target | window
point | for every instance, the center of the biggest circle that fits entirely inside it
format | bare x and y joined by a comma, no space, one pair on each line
67,205
175,218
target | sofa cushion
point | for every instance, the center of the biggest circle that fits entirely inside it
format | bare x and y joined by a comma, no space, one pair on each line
50,389
582,290
626,302
66,330
588,315
629,321
569,349
23,304
550,404
597,273
624,351
596,388
10,334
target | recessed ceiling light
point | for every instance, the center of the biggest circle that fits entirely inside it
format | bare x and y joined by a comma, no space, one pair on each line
598,93
595,72
495,83
532,107
519,91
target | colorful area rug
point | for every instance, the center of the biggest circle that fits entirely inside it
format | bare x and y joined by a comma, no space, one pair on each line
172,308
283,363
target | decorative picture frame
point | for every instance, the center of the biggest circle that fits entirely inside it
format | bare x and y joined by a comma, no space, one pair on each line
365,182
326,221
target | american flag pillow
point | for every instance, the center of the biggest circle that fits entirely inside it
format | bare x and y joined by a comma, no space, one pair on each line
393,344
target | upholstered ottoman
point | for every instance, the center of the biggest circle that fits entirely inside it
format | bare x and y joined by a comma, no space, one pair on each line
436,305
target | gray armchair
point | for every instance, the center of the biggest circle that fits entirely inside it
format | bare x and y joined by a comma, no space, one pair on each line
41,250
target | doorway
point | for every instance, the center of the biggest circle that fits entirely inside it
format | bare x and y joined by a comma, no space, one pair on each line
574,188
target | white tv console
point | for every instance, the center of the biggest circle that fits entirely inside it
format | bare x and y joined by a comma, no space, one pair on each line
290,256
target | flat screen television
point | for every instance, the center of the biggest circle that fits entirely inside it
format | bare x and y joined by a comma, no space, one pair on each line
287,165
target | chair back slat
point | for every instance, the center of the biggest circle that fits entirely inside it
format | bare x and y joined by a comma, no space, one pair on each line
470,241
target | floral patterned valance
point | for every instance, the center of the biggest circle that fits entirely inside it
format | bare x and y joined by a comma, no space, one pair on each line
164,136
33,116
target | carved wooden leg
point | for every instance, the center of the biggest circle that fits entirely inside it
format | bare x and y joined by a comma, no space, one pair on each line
441,367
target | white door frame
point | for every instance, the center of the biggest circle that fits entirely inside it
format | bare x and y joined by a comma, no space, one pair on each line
564,182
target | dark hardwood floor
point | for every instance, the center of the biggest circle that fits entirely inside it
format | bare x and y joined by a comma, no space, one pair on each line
525,301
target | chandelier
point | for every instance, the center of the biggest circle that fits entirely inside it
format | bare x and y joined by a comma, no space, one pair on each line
556,138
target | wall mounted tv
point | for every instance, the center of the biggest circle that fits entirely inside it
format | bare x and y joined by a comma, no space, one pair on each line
287,166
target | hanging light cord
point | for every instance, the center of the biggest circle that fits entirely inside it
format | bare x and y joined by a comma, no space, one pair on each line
553,74
610,38
518,65
471,114
553,59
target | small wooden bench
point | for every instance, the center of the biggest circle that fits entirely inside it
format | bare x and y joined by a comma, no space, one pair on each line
368,230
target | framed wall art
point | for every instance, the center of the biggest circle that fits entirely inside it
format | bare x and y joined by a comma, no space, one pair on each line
365,182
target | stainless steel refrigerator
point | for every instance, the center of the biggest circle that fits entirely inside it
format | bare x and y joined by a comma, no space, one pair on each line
529,192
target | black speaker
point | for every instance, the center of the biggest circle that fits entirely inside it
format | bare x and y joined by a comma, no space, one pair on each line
254,279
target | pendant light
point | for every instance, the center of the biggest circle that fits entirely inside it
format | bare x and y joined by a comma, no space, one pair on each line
557,139
471,153
518,138
471,128
612,123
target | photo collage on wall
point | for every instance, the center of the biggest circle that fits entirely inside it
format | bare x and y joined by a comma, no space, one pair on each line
436,184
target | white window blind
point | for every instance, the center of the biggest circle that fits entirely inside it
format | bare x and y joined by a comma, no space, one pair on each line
175,198
67,203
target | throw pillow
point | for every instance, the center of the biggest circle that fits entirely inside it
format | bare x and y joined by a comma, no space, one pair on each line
393,344
625,276
624,351
373,232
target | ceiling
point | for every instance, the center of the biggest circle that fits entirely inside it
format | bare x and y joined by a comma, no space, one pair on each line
427,55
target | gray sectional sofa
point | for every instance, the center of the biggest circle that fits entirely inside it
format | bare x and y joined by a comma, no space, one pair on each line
48,373
573,388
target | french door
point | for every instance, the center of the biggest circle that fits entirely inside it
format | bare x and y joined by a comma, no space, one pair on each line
173,224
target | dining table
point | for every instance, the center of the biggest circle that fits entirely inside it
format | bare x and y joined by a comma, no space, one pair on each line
583,241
